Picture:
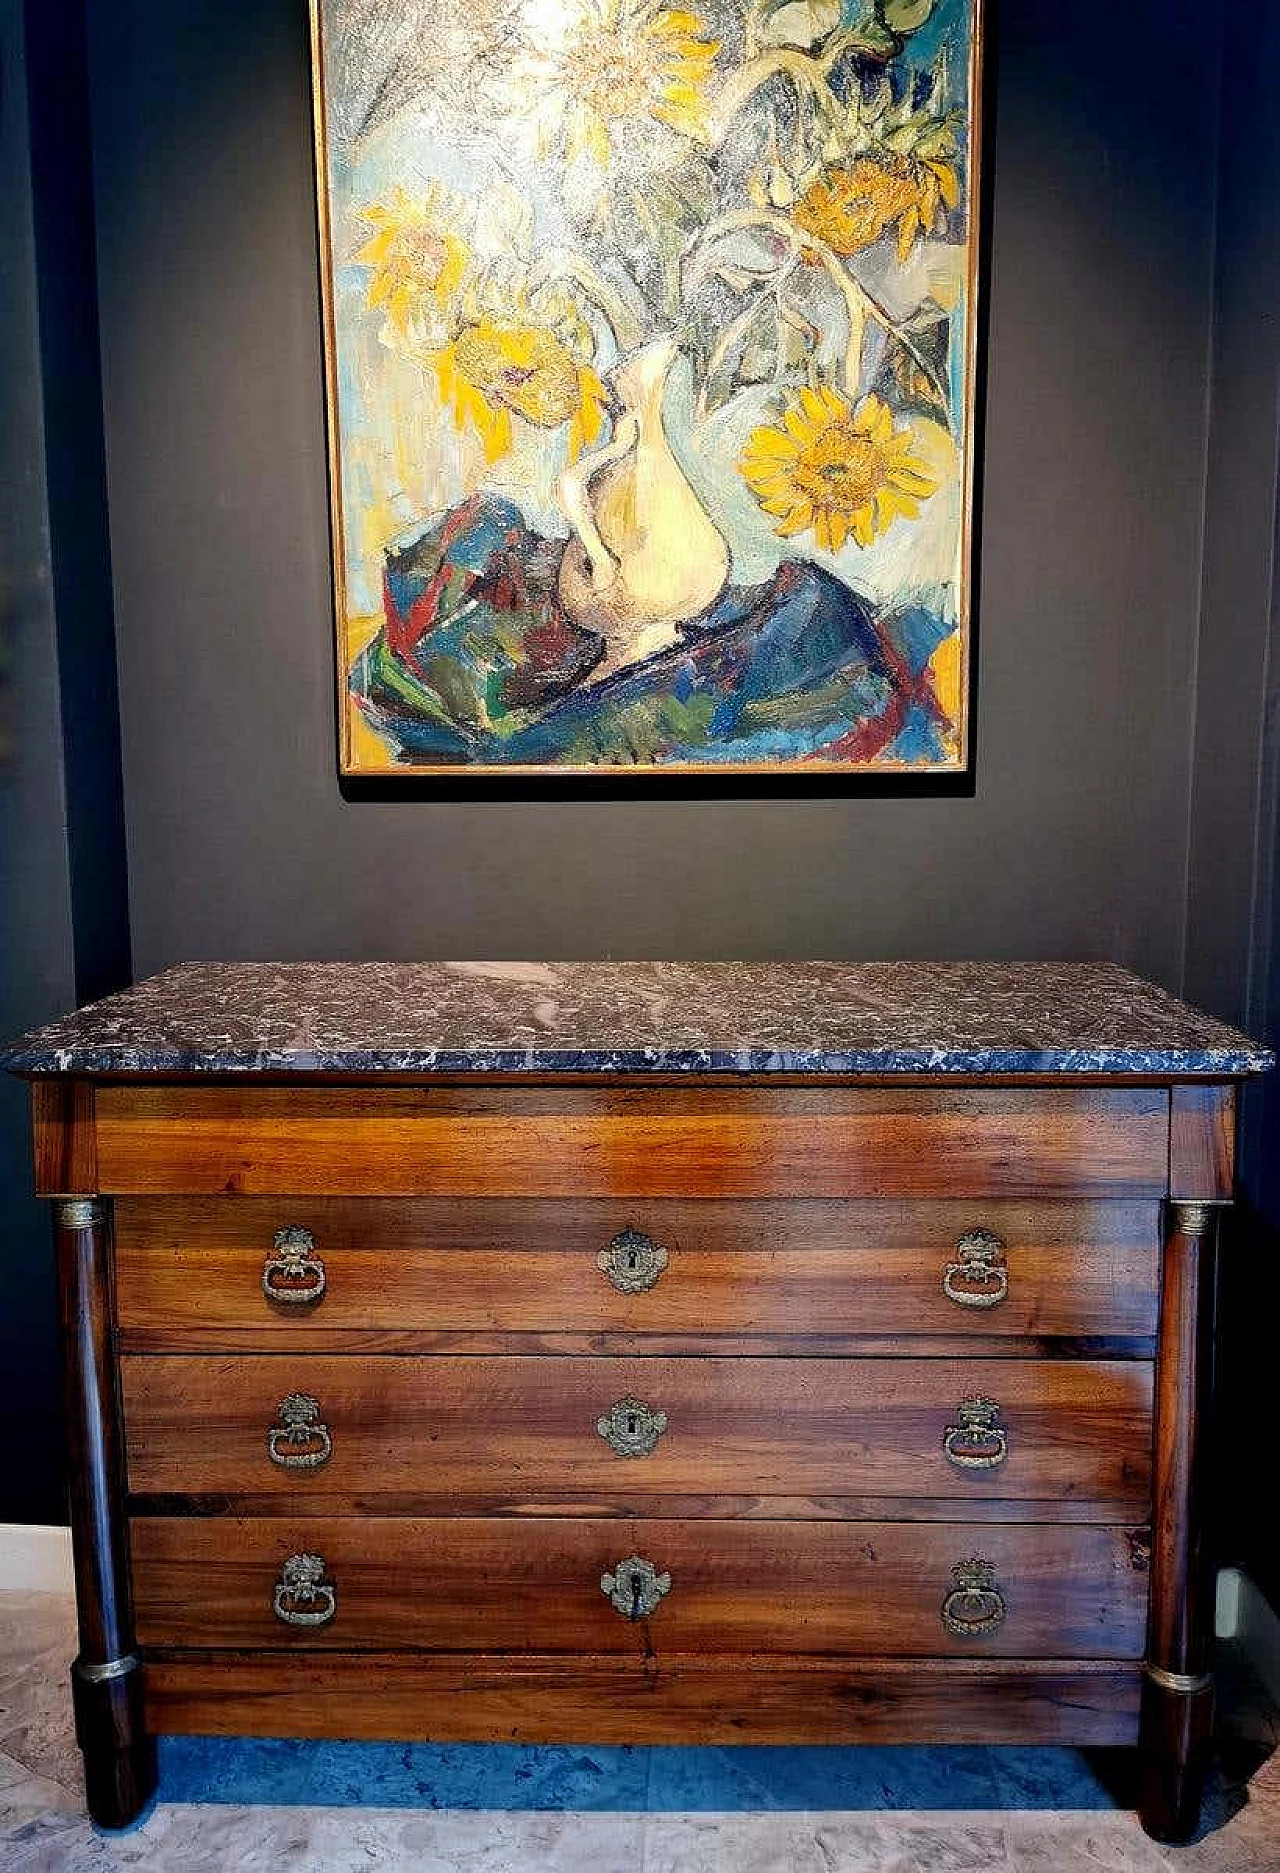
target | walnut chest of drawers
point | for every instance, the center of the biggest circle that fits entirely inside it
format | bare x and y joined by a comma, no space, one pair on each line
639,1353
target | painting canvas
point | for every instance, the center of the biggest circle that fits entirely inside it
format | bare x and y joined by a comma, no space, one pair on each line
650,342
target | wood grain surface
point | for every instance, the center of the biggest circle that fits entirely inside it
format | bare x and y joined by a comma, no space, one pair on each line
826,1271
632,1141
64,1141
873,1588
119,1756
1202,1143
654,1699
525,1430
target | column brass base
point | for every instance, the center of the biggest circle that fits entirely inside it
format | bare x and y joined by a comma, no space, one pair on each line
119,1757
1177,1728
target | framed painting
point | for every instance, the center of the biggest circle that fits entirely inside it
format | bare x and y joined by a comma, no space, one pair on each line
650,368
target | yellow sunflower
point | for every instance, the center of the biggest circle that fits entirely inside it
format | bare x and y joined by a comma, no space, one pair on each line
623,61
494,369
418,262
834,470
851,206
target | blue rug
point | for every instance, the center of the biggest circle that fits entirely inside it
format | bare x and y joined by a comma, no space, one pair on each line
510,1776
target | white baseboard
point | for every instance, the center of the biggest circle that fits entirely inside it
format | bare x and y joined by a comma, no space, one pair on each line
1254,1625
1226,1606
35,1559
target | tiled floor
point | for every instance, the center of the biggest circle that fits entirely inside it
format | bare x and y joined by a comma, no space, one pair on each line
605,1811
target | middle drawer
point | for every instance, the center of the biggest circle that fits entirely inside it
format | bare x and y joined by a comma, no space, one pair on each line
537,1430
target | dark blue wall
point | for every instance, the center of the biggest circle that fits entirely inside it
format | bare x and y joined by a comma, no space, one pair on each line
1233,955
1103,163
63,883
37,974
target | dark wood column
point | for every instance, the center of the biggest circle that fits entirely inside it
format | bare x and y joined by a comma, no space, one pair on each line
1177,1697
106,1679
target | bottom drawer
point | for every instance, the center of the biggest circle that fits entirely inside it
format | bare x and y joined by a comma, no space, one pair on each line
460,1698
875,1589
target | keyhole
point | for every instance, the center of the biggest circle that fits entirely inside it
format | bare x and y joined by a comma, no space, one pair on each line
633,1259
631,1424
637,1588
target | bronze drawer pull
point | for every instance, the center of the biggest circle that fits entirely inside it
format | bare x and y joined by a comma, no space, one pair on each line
303,1597
299,1441
294,1274
975,1606
632,1261
631,1428
979,1276
635,1587
979,1441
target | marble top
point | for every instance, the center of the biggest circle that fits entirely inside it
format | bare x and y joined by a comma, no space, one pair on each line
639,1017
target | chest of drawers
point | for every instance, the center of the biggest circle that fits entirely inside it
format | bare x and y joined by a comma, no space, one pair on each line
639,1353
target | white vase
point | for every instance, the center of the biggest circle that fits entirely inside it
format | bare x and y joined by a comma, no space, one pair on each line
644,554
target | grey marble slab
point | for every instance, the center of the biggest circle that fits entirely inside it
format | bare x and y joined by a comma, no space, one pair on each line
640,1017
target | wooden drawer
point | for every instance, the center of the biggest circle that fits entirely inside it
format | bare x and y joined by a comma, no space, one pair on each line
618,1698
808,1274
632,1141
524,1432
873,1589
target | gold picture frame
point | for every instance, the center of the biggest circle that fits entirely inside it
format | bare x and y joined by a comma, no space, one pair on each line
651,363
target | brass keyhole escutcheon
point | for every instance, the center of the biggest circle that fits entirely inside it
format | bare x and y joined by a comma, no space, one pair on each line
635,1587
632,1261
631,1428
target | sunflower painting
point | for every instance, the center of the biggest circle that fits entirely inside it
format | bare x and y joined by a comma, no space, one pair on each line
650,343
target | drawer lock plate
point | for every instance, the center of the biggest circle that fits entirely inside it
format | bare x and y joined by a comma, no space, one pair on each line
632,1428
632,1261
635,1587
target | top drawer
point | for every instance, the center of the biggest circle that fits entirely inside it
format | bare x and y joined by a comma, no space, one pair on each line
628,1141
813,1276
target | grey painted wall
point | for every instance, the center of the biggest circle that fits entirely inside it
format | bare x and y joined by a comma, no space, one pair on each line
240,845
1238,687
37,974
63,892
1233,945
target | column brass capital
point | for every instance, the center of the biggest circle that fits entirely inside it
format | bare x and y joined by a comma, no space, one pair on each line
109,1669
1194,1219
1187,1684
77,1212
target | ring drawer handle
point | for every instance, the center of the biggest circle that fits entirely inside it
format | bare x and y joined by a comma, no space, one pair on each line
295,1273
635,1587
979,1441
632,1428
632,1261
303,1597
975,1606
979,1276
299,1441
